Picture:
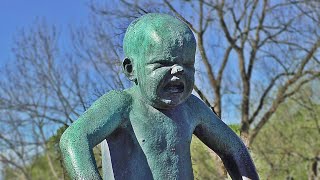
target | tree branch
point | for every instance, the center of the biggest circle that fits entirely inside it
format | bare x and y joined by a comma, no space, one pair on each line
179,16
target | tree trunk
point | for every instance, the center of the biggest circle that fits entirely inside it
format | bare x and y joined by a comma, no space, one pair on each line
244,133
217,102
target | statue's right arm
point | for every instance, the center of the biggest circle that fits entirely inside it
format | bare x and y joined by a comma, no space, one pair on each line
213,132
99,121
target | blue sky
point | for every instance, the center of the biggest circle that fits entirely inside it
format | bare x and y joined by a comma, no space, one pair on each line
18,14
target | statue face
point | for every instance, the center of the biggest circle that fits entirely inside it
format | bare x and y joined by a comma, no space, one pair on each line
165,72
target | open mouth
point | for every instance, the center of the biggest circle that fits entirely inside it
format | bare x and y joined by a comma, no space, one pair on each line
174,87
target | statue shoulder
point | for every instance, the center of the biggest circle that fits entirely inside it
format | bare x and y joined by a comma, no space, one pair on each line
196,103
114,99
199,108
108,111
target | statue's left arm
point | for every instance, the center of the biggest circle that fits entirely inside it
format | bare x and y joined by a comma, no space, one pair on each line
99,121
221,139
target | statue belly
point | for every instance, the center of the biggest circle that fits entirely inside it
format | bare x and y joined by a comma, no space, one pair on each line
128,159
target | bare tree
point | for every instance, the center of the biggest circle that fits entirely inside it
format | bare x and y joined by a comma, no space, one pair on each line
44,89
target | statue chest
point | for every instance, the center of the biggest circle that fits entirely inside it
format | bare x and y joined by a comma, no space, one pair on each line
159,131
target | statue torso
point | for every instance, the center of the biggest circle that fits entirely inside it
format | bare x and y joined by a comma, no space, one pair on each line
153,144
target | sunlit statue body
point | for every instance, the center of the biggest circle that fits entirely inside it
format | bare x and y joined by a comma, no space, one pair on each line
149,127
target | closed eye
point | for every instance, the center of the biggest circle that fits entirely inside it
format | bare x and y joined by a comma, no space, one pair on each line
159,64
165,63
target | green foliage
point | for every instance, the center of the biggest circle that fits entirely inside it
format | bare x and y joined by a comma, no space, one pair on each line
204,166
39,168
9,173
288,145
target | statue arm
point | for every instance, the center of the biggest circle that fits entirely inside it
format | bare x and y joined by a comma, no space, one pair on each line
229,147
77,142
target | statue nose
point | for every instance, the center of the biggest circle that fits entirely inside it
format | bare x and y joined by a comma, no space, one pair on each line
177,69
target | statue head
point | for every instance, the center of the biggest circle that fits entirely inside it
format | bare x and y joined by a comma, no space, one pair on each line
160,55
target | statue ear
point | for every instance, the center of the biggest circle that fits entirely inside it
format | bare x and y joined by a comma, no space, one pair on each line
127,66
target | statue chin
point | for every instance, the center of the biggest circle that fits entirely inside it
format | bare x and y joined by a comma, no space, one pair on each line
168,102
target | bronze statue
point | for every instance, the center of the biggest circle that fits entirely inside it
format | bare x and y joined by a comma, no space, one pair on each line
150,125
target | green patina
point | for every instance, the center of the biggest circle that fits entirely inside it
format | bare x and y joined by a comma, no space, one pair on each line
149,126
